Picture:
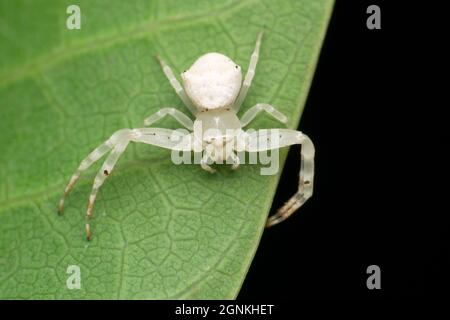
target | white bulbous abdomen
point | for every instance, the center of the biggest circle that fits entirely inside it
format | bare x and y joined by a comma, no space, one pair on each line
213,81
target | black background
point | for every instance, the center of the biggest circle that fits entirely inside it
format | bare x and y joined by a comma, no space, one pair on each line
372,202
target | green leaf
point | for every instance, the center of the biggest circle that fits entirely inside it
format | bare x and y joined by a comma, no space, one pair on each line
160,230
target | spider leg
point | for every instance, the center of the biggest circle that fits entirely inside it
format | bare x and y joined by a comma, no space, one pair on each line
262,140
161,137
236,161
249,75
165,138
101,176
183,119
204,162
177,86
170,139
96,154
256,109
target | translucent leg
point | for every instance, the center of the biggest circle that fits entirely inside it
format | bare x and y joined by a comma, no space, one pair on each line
249,76
165,138
236,161
204,163
305,184
154,136
102,174
262,140
183,119
177,86
255,110
96,154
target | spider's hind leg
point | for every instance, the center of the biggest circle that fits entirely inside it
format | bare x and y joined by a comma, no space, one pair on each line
249,75
177,86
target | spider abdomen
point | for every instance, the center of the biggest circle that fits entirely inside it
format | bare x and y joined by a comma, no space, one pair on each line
213,81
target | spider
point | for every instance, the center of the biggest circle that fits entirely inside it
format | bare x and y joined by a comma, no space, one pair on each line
213,92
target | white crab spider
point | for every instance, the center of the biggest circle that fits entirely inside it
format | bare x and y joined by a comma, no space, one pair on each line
213,92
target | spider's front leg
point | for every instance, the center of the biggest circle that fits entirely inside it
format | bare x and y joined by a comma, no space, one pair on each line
118,142
95,155
263,140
